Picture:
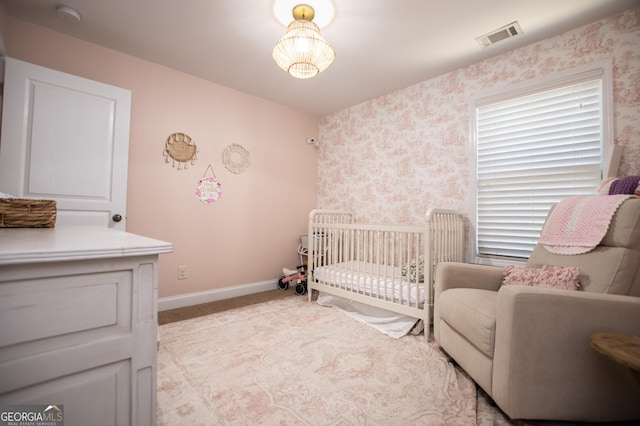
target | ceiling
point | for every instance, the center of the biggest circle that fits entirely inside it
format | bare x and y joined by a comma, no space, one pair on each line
381,45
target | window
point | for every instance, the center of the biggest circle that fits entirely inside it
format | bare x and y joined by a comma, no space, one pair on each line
536,145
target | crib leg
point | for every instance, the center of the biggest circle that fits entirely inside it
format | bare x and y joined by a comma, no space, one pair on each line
427,322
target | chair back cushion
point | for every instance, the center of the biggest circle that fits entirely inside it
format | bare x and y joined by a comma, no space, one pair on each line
613,266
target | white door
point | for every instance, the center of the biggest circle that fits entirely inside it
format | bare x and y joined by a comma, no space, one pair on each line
65,138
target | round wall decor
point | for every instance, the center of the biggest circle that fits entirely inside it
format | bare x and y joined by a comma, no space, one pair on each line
180,149
236,158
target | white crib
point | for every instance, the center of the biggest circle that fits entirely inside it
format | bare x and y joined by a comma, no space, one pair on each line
388,267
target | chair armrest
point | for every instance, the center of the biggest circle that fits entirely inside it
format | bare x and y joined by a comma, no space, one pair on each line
462,275
542,349
467,275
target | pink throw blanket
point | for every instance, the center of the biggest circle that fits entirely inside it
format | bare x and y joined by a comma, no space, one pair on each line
578,224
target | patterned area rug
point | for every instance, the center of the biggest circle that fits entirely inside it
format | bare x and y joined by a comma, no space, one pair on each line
288,362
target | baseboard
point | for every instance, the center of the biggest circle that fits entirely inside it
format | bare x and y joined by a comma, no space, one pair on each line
173,302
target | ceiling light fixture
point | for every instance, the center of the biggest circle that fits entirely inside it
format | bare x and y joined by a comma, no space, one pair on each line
302,52
69,13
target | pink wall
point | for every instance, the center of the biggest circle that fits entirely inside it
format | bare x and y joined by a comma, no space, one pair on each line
253,230
391,158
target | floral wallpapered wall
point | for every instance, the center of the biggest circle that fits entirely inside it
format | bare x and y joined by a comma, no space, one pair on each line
391,158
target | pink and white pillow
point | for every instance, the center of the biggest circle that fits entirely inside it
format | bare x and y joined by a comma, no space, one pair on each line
559,277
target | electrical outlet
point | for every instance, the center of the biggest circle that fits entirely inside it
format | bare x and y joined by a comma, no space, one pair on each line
182,272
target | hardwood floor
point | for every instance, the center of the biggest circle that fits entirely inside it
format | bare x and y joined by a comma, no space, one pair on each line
179,314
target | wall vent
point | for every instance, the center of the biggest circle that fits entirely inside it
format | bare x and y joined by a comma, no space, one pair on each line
508,31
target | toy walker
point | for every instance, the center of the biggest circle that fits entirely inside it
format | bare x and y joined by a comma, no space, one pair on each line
298,275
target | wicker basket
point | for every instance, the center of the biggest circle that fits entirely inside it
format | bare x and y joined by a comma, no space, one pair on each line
25,213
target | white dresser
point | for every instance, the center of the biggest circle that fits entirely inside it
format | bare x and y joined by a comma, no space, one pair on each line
78,322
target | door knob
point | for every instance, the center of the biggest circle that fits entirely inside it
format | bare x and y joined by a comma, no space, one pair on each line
116,217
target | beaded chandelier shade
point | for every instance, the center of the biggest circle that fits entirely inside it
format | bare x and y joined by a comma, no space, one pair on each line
302,51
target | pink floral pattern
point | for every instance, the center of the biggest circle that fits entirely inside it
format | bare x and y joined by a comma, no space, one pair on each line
208,190
289,362
391,158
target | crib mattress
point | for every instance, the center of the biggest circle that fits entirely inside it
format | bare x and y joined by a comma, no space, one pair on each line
373,280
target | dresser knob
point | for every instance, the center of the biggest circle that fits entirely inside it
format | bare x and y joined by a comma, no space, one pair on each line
116,218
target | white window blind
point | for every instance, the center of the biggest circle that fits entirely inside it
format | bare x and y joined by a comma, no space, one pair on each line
532,151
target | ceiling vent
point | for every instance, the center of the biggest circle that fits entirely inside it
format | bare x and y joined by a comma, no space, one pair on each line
508,31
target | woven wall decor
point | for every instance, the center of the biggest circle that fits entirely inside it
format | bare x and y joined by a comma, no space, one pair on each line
208,189
236,158
181,150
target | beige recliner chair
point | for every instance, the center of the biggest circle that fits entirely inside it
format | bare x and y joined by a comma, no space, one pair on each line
529,347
